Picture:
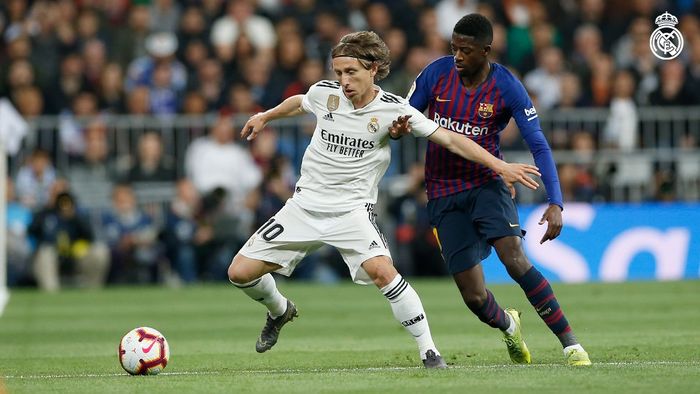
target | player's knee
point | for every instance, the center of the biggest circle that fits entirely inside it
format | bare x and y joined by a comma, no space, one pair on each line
473,299
381,271
238,272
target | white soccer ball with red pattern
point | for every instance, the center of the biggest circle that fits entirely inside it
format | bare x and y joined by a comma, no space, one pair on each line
144,351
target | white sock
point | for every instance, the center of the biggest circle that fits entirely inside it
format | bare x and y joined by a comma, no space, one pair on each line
408,310
264,290
511,328
568,349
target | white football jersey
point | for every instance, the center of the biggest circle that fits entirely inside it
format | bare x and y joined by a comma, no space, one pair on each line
349,151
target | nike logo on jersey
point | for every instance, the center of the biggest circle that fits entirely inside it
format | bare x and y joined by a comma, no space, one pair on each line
439,100
513,225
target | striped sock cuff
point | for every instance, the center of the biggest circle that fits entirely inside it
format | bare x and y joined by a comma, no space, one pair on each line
246,285
394,289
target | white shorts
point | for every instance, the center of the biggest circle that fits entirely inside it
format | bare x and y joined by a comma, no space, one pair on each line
294,232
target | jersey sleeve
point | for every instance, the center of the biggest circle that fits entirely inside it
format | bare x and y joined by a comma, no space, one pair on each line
419,95
525,115
308,100
421,126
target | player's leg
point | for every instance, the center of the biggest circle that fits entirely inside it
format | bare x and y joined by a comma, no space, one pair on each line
463,248
364,250
406,307
497,220
277,246
540,294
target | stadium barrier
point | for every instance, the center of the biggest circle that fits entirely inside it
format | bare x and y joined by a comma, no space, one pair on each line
668,139
612,243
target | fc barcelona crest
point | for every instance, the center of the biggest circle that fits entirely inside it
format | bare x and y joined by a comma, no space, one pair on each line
333,102
485,110
373,125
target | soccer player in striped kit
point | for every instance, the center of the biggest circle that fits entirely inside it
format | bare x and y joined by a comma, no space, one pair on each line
470,207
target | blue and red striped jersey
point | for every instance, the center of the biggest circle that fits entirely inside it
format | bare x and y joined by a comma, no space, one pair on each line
480,114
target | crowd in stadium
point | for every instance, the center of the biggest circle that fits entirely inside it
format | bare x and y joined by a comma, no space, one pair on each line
80,59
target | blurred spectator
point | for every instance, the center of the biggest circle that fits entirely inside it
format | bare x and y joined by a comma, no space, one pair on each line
19,249
35,179
194,104
328,29
545,80
673,89
92,173
448,13
130,41
165,15
150,165
71,124
132,239
379,18
241,100
67,252
217,161
417,248
240,21
601,80
310,72
71,81
138,101
181,233
210,83
621,127
29,101
218,235
161,48
111,92
164,98
570,88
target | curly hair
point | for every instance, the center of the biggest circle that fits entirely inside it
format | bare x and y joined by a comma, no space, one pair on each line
368,48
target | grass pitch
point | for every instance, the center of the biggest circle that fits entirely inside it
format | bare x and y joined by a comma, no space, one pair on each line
642,337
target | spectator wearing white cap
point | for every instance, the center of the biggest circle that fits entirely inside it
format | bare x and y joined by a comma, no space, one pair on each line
161,49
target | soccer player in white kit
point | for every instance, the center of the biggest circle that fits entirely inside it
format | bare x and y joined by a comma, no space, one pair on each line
334,198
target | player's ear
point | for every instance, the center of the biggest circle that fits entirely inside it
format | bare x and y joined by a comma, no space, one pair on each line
487,50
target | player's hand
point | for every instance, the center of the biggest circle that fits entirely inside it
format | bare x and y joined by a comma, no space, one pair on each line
554,222
518,172
399,127
253,126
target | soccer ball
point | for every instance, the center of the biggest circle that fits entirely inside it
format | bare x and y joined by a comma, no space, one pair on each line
144,351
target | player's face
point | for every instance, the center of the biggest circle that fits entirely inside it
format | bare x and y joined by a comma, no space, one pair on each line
469,54
355,80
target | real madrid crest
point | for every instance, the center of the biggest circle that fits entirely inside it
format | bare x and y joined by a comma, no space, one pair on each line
373,125
666,42
485,110
333,102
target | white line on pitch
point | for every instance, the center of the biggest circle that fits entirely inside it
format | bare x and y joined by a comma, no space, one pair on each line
333,370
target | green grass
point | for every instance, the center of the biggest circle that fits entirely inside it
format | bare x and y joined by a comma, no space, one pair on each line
641,337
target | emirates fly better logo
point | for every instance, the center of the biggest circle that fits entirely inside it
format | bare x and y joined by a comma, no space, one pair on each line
666,42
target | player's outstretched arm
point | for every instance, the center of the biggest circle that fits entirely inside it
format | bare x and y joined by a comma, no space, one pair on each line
470,150
289,107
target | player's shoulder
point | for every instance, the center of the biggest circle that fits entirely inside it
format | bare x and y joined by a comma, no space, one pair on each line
504,76
441,65
326,84
388,98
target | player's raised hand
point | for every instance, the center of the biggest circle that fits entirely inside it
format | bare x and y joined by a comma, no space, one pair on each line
253,126
518,172
554,222
400,126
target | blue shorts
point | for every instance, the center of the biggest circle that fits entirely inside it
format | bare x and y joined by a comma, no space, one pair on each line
467,223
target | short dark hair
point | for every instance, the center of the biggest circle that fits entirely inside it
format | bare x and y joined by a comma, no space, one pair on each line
477,26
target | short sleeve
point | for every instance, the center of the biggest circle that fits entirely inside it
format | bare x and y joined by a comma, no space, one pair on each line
419,94
420,125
